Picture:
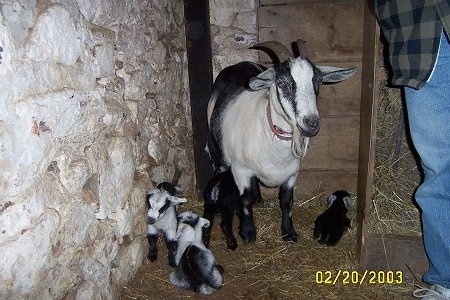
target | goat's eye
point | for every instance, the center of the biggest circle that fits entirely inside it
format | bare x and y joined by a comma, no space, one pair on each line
284,86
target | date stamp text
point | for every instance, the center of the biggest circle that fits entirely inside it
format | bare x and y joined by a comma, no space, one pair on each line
355,277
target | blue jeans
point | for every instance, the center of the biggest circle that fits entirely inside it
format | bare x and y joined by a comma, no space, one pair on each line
429,123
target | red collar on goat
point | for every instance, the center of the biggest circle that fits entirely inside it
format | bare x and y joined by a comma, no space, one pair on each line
277,131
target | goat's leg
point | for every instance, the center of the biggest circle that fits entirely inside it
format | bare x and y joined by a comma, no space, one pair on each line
244,210
227,224
210,207
247,229
172,247
256,189
286,196
318,224
214,152
209,213
152,236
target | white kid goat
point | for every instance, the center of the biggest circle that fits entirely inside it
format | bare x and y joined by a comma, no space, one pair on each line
162,213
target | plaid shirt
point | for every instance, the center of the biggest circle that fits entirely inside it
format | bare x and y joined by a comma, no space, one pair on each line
413,30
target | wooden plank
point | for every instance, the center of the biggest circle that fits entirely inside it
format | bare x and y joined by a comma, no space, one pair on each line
396,253
335,147
279,2
311,182
367,134
199,55
333,31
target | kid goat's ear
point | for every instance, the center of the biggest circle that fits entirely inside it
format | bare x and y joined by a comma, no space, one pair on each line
347,202
331,199
176,200
204,223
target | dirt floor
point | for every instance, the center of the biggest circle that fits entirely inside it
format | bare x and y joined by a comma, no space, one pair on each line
273,269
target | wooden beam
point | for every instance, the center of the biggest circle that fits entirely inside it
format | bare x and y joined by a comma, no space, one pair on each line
199,54
367,133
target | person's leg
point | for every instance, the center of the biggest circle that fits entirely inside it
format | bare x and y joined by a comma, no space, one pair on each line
429,122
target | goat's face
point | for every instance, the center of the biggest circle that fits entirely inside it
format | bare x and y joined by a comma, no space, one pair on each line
160,199
190,227
297,84
341,200
192,219
294,87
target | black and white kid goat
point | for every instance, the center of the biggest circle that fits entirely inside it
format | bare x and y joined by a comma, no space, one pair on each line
332,223
162,212
260,121
196,267
221,195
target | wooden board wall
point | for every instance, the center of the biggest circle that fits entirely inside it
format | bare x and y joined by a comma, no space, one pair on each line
333,31
343,33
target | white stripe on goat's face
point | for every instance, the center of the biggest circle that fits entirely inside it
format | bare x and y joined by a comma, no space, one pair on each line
297,83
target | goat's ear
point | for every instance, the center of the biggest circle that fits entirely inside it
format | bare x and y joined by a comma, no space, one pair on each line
347,202
204,222
334,74
331,199
178,191
264,80
176,200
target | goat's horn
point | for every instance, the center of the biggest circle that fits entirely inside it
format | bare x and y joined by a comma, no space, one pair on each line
280,50
302,48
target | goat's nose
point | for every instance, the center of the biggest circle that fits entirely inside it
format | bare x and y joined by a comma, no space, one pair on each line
313,122
151,220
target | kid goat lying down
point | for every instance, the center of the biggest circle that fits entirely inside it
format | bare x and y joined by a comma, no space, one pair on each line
196,267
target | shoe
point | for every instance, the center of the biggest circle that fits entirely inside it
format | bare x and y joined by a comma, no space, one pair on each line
435,292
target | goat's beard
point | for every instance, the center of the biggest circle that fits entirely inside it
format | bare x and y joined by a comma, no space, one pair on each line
299,143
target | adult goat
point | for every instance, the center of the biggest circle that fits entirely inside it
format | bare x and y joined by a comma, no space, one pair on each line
260,121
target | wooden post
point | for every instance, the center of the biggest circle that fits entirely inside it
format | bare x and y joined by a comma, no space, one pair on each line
198,41
367,135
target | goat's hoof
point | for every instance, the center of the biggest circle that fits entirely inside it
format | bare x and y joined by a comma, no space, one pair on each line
248,236
232,245
290,237
316,234
152,257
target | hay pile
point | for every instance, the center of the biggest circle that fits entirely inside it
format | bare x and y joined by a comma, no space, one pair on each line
396,172
271,268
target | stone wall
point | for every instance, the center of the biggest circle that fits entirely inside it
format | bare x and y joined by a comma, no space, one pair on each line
234,29
94,111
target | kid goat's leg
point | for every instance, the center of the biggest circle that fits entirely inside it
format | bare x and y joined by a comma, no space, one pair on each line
209,213
247,229
210,207
152,236
172,247
227,223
